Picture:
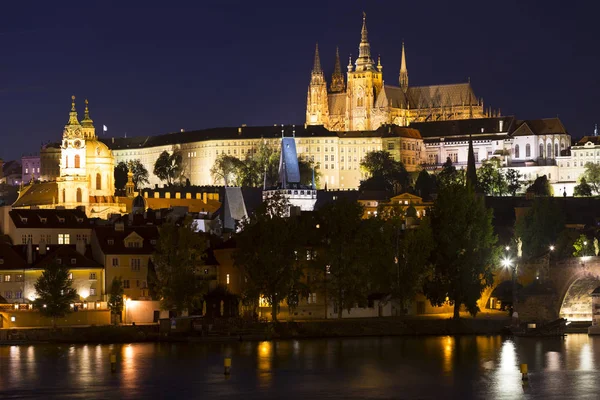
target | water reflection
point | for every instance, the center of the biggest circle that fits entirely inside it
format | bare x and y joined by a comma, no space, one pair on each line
415,367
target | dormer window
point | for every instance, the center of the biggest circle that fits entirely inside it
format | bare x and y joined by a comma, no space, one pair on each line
43,220
73,261
61,220
24,220
111,241
59,260
1,260
79,219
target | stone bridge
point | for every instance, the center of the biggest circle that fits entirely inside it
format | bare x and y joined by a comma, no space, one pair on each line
553,288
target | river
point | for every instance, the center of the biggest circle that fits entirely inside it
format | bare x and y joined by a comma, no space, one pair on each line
466,367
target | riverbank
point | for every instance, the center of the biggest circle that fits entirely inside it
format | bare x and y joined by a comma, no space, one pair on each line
359,327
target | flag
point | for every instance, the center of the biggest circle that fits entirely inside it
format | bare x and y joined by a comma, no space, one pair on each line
104,128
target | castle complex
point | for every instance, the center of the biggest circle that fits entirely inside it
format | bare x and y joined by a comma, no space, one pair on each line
364,102
348,117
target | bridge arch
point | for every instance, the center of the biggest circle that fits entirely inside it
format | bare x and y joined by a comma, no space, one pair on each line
575,283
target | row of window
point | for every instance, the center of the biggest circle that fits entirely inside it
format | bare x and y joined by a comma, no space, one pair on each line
138,284
11,278
33,170
135,263
62,238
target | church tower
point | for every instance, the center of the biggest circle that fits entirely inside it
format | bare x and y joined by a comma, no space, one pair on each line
87,125
337,79
72,182
364,85
403,72
317,109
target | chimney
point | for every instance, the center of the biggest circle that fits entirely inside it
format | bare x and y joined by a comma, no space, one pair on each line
29,252
119,226
80,246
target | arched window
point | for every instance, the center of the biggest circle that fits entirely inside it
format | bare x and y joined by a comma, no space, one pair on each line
517,155
549,151
64,196
66,161
77,160
527,150
79,195
556,149
98,182
541,155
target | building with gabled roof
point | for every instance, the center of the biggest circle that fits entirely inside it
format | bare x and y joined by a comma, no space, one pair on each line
126,252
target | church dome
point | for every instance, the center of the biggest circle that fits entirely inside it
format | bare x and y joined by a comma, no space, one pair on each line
139,204
96,148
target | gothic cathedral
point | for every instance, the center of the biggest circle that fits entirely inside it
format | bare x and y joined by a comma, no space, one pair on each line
364,102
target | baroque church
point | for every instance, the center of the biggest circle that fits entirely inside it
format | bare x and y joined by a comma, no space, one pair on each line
86,173
364,102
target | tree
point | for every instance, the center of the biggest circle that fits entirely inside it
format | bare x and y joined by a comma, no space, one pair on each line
583,189
228,169
267,254
54,292
140,173
404,258
306,172
583,247
540,227
115,297
384,173
120,175
465,255
178,253
168,167
592,176
346,252
490,178
425,185
449,175
541,187
513,181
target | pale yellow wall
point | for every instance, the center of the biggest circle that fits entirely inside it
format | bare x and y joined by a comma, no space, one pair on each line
30,318
138,280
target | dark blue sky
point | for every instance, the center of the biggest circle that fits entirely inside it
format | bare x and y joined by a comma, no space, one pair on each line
150,68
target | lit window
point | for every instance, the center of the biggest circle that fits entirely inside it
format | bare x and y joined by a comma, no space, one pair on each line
7,278
228,279
70,276
92,276
92,291
64,238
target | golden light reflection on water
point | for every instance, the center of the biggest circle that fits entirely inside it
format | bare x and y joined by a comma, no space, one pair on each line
552,361
448,343
265,363
128,364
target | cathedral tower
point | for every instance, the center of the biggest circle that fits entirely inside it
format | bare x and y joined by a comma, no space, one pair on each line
337,79
364,85
403,71
317,109
72,182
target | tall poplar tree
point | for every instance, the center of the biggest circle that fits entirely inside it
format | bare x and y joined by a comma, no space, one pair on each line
466,254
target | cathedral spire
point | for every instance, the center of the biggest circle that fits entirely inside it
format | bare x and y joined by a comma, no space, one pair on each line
403,71
337,79
364,61
73,114
317,64
86,121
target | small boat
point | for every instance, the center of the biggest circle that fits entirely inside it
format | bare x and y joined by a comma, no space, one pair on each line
552,328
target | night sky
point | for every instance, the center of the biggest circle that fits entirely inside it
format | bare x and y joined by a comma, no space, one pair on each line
151,68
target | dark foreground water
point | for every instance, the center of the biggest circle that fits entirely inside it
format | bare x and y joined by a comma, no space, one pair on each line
383,368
